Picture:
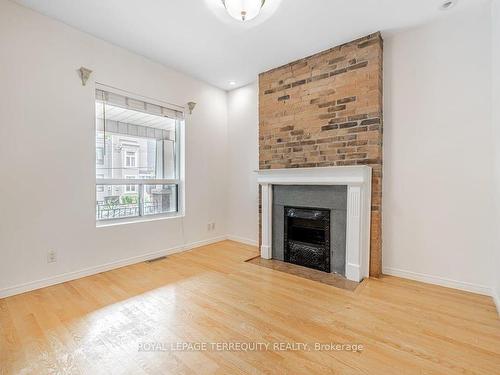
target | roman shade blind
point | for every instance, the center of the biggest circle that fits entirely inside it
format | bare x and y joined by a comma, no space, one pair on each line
138,105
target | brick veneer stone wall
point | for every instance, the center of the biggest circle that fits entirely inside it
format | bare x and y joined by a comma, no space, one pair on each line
326,110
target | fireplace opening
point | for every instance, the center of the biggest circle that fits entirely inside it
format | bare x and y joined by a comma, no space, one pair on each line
307,237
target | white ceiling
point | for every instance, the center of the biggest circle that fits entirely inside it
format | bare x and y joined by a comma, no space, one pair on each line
195,37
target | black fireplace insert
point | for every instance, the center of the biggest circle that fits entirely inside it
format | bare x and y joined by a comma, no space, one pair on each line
307,237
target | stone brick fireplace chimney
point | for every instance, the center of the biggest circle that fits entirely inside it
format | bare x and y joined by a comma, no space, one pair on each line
326,110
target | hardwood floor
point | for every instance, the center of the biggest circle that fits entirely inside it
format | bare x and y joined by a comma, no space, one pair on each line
99,324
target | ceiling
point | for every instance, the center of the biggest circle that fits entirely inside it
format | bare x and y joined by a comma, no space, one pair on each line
196,37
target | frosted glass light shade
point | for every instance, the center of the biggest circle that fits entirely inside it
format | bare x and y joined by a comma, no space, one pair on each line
243,10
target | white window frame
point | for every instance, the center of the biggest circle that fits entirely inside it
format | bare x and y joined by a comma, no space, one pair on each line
179,166
130,158
130,188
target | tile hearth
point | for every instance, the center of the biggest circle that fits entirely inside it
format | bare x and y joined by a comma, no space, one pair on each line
332,279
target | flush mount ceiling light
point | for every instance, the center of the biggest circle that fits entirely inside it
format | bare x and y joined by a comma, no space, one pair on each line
243,10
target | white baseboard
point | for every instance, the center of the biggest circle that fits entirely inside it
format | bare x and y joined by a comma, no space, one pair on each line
42,283
442,281
496,298
244,240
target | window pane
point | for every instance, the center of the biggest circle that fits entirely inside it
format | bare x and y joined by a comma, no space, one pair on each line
159,199
116,201
135,140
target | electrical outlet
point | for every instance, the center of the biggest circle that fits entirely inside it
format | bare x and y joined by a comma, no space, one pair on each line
51,256
213,226
209,227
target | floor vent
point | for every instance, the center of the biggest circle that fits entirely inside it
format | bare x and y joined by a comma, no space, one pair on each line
156,259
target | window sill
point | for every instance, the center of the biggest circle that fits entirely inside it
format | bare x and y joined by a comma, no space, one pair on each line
136,220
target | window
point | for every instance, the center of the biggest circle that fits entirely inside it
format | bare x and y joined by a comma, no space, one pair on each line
100,188
130,159
136,140
130,188
99,155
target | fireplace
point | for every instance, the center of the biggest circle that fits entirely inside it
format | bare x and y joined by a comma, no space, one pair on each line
307,237
344,190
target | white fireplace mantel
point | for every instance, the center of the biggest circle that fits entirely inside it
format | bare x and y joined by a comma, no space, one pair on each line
358,182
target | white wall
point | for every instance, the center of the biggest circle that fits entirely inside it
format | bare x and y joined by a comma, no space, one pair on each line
495,71
438,186
243,160
47,154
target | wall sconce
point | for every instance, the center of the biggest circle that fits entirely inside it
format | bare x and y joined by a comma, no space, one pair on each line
191,106
84,75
